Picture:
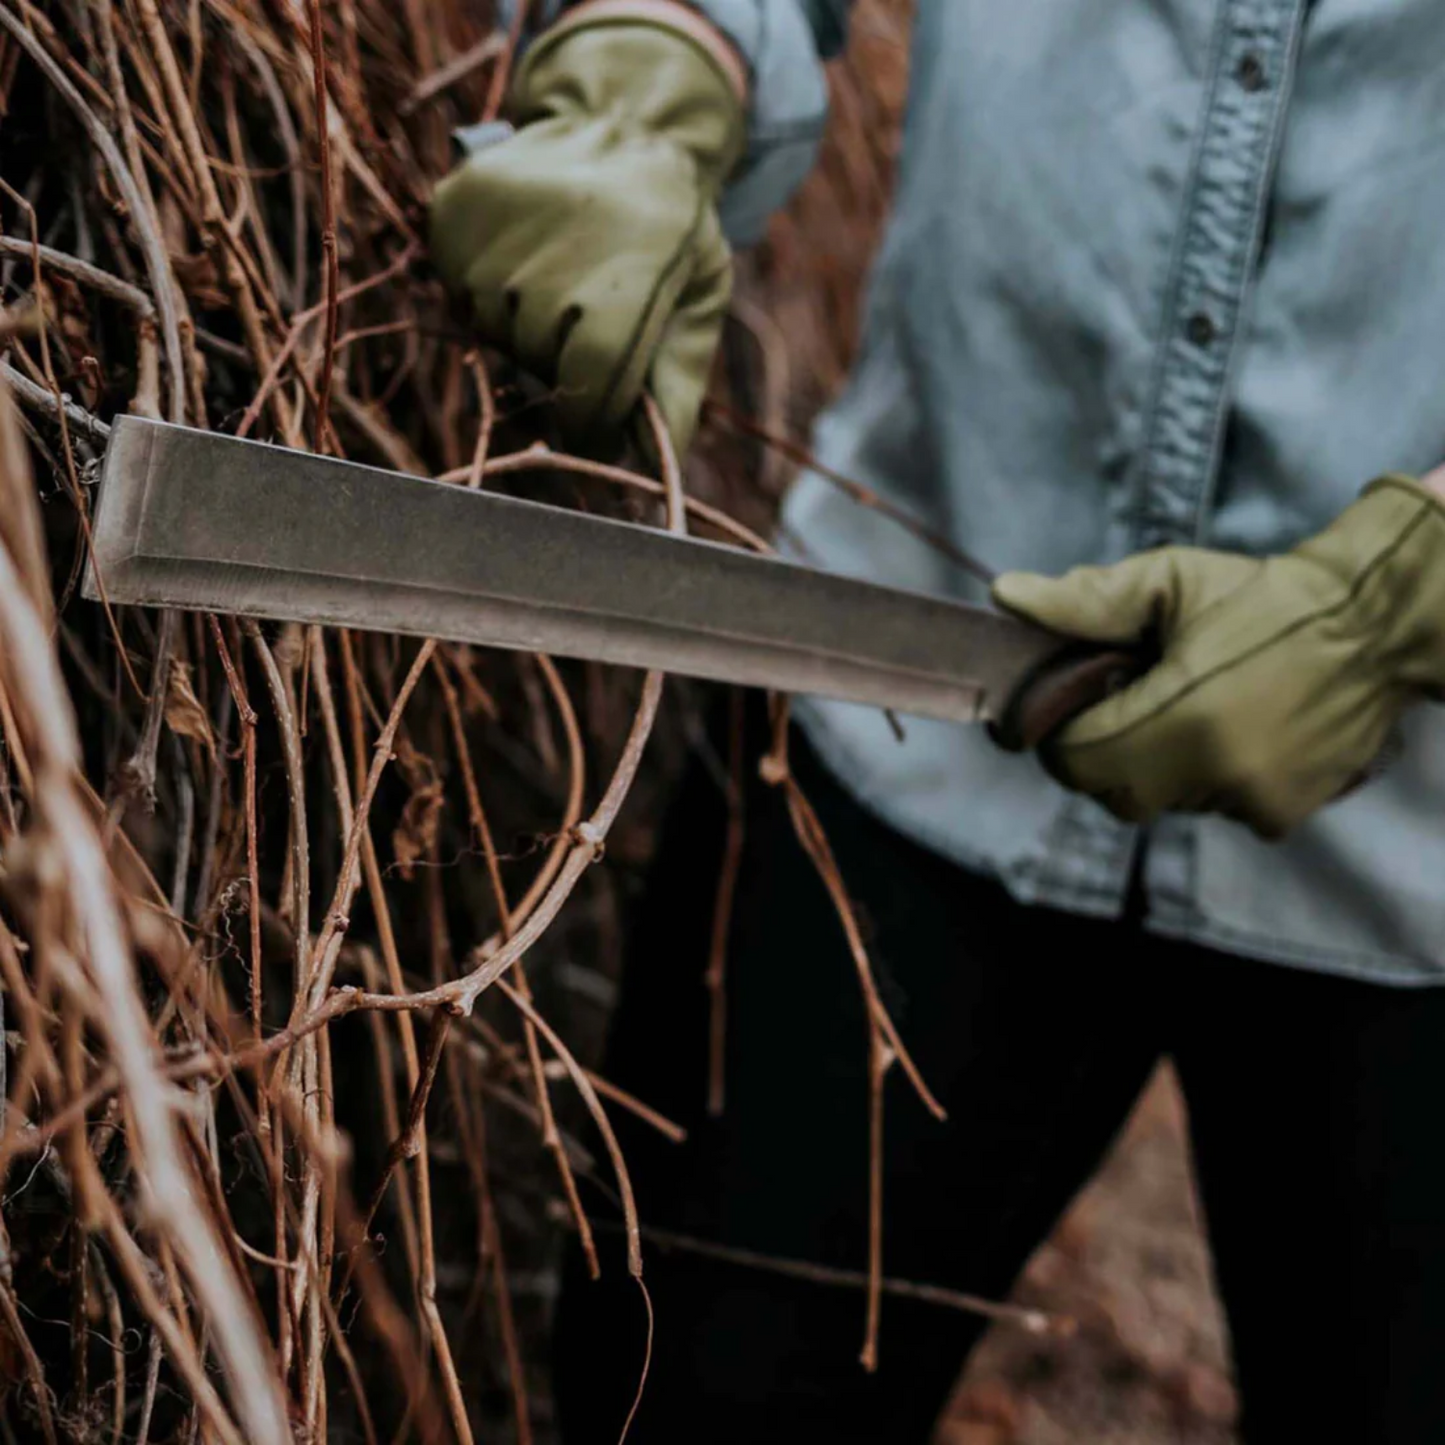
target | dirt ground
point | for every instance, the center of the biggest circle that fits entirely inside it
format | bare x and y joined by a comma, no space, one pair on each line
1147,1363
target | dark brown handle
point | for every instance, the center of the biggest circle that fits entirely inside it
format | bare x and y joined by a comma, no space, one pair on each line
1063,685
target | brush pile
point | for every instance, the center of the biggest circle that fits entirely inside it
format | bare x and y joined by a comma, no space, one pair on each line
303,947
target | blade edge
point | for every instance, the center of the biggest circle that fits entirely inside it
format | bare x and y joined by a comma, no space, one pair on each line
534,627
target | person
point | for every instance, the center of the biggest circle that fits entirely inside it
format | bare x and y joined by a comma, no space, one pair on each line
1162,291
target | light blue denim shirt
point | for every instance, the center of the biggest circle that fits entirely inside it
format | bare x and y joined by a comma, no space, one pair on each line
1159,271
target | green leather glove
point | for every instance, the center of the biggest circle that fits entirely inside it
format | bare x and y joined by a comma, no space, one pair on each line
1280,680
589,241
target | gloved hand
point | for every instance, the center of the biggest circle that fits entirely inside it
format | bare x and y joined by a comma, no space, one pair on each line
589,241
1280,680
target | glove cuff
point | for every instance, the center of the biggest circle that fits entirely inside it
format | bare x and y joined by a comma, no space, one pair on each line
652,68
1412,486
665,15
1404,521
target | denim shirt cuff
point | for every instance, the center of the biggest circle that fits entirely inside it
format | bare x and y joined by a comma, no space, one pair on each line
789,108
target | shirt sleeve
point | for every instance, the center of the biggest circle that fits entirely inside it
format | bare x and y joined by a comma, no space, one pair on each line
784,43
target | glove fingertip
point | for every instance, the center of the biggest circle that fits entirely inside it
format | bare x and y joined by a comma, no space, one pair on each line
1026,593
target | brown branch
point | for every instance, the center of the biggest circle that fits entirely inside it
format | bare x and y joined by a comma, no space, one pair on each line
578,1075
297,330
715,979
153,248
67,829
456,69
540,457
1033,1322
551,1139
410,1139
84,271
328,224
497,90
34,1370
856,491
32,394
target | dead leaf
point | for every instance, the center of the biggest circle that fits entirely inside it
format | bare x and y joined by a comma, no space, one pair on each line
184,714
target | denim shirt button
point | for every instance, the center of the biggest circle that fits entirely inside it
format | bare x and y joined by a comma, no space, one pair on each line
1200,329
1251,72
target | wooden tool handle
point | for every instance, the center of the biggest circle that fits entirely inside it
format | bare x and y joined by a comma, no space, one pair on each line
1063,685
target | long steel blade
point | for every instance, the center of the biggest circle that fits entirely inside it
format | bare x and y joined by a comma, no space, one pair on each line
198,520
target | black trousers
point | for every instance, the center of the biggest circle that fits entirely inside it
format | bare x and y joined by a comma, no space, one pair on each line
1314,1108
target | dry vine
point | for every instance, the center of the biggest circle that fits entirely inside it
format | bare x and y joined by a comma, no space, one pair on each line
231,1087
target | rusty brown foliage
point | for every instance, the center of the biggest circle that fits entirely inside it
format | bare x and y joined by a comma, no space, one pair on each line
305,936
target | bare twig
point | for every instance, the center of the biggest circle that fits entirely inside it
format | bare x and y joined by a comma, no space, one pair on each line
1033,1322
157,262
328,223
855,491
92,276
55,754
31,394
715,978
456,69
34,1370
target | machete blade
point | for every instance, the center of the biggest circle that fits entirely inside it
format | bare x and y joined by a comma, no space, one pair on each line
195,519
